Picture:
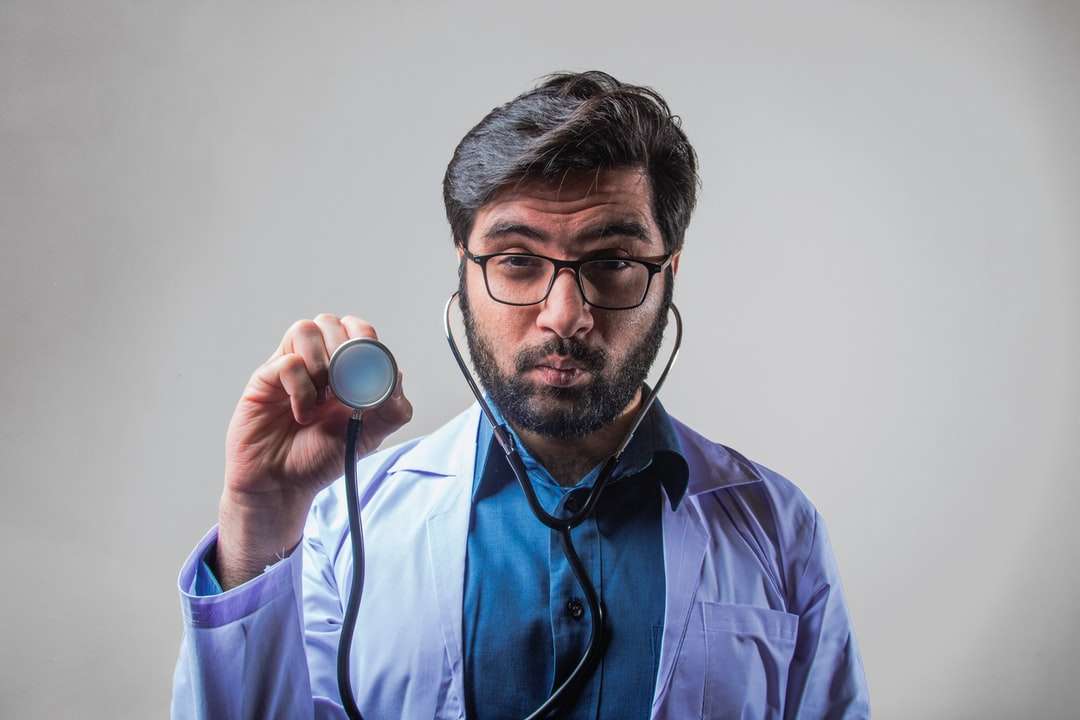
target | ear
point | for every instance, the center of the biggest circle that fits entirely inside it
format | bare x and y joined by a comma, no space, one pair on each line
460,251
675,263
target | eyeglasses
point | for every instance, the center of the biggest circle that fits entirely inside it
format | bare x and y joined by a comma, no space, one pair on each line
608,283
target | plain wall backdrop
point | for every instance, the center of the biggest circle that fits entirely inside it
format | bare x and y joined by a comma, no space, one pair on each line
880,289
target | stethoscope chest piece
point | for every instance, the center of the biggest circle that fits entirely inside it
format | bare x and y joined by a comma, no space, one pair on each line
362,373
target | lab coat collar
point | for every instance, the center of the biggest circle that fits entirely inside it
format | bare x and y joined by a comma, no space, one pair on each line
451,450
448,451
713,466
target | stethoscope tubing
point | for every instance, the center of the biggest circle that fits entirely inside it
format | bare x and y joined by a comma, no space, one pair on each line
562,525
356,585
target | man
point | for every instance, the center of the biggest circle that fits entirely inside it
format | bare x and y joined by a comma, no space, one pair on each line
720,592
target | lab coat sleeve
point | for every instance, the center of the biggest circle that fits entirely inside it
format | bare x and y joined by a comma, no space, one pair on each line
244,652
826,678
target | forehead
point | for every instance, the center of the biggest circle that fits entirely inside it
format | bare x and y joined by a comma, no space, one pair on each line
564,208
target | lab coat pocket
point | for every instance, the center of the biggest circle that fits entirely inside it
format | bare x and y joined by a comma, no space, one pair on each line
747,653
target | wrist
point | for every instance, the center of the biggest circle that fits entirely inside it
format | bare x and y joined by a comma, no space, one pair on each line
254,533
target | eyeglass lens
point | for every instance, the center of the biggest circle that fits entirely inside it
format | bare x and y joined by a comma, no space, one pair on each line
608,282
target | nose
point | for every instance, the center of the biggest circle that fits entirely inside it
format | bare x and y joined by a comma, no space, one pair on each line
564,312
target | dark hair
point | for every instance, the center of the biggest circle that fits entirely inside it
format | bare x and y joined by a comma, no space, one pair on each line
575,122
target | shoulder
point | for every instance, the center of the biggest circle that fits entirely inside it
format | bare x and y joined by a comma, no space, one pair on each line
731,489
715,467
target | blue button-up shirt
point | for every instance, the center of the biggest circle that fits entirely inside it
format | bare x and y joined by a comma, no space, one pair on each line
525,623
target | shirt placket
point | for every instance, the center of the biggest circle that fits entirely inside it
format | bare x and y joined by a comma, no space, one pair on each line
570,621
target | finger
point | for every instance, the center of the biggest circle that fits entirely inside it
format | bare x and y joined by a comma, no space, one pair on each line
308,343
358,327
288,373
332,330
286,345
393,413
334,335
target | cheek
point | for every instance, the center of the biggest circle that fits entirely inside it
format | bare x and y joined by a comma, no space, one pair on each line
500,320
616,333
622,332
505,329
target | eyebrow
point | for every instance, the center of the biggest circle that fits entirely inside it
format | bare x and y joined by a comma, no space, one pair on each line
617,228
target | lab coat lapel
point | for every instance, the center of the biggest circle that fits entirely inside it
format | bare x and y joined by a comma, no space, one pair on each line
447,535
447,532
711,466
685,540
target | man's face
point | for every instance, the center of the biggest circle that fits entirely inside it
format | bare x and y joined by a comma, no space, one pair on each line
562,368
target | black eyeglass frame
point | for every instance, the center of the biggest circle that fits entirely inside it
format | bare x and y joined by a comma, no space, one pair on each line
575,266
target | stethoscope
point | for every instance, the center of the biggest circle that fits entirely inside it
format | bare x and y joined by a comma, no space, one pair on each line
362,376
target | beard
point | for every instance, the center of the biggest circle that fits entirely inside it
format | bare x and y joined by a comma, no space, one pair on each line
576,411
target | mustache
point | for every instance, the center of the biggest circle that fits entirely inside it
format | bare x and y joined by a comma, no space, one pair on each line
591,359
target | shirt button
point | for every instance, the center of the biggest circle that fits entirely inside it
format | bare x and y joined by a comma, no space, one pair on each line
576,609
576,500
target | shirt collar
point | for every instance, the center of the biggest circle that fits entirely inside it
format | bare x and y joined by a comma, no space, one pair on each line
452,449
654,444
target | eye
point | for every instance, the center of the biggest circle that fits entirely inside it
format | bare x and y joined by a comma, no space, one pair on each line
612,265
519,261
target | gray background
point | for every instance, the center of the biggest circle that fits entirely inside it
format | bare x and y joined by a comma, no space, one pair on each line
880,290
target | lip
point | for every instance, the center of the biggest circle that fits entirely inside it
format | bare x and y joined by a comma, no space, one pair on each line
553,361
560,377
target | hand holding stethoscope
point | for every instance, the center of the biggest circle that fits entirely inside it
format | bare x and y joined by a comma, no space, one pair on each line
285,443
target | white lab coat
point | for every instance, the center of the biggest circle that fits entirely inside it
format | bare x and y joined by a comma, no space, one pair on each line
755,624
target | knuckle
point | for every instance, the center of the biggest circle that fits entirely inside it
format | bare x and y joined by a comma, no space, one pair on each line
359,325
292,363
303,327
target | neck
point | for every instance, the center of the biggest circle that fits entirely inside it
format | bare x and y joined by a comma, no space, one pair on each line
568,460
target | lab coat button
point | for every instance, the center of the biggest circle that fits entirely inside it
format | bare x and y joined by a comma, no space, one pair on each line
576,609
